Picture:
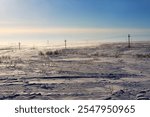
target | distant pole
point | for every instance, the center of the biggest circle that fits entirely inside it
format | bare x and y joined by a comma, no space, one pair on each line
47,42
19,45
129,41
65,44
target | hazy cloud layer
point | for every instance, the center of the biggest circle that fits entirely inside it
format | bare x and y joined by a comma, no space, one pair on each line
32,30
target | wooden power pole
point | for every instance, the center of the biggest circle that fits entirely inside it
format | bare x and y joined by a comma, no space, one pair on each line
129,41
19,45
65,44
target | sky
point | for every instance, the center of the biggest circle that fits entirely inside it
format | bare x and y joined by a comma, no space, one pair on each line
57,20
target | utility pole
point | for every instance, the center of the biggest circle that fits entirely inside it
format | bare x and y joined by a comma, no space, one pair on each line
19,45
129,41
65,44
48,42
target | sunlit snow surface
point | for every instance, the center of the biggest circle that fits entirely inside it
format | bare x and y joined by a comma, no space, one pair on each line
106,71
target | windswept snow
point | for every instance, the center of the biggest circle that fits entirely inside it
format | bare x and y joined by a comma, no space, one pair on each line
108,71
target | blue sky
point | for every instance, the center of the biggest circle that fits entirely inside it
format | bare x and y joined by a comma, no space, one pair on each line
74,19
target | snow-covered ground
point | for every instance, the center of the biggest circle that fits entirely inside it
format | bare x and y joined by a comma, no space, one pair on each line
107,71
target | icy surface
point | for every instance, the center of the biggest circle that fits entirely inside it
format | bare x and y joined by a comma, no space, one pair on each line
108,71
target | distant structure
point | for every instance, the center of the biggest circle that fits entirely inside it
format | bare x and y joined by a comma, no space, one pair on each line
47,42
129,41
19,45
65,44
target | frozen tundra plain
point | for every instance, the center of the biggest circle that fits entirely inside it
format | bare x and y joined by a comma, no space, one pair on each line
109,71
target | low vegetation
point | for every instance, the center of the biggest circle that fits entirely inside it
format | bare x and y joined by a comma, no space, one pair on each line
8,61
41,53
4,59
50,53
143,55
